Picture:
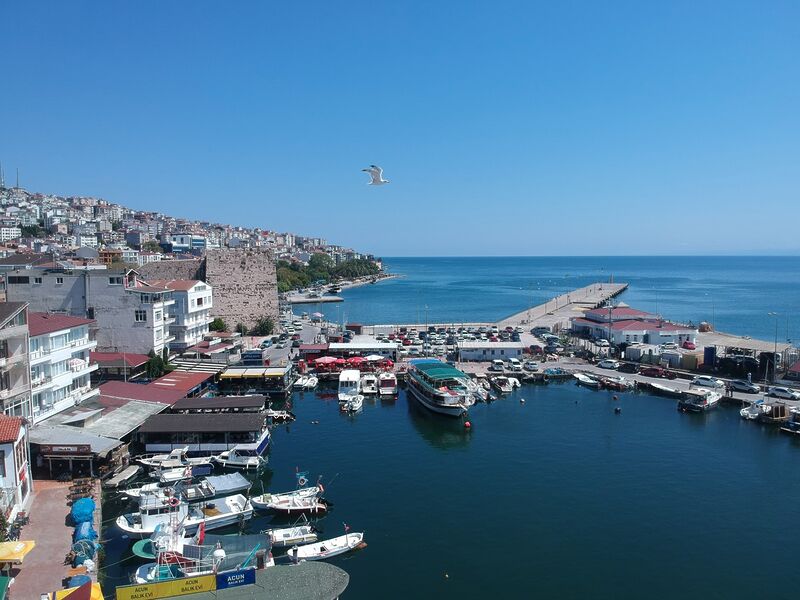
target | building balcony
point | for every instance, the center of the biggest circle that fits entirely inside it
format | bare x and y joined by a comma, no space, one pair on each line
16,390
15,331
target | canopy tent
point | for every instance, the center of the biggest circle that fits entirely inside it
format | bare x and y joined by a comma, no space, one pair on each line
375,358
90,591
317,315
15,552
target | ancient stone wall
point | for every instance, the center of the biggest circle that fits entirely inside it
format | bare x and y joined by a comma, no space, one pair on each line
191,268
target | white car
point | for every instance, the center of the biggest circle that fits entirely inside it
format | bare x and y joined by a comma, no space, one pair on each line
707,381
783,392
608,364
602,342
670,346
530,365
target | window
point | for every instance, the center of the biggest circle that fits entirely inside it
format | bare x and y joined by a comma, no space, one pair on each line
37,281
159,334
140,316
59,281
199,302
90,312
2,463
14,279
115,281
157,316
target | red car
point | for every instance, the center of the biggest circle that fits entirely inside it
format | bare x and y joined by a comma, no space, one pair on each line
657,372
406,342
296,336
689,345
493,339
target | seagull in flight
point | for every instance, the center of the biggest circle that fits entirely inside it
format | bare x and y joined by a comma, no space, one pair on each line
375,175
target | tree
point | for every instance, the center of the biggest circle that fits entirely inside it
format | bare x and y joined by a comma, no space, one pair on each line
217,325
157,365
241,328
265,325
33,231
116,225
151,246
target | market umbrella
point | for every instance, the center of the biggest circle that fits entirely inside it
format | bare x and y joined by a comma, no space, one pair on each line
325,360
374,357
14,552
340,361
356,360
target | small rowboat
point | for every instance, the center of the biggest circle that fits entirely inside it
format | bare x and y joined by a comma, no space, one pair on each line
290,536
587,381
327,548
290,504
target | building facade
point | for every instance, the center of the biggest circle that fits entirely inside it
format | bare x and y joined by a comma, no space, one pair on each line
15,382
624,325
59,360
191,311
16,484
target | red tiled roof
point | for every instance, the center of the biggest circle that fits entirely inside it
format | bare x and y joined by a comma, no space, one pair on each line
41,323
181,380
795,368
9,429
635,325
106,358
181,285
119,393
619,311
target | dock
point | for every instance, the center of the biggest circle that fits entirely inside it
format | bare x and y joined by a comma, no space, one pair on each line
298,299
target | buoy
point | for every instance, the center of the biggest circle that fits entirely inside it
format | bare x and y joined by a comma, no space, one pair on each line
617,410
446,576
522,400
467,424
615,397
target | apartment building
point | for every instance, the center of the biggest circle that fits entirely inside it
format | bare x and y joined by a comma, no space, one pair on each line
59,359
191,311
16,484
15,382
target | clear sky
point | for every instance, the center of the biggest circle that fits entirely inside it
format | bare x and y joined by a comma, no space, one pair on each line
505,128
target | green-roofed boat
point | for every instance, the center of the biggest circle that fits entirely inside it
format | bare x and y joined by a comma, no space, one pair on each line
439,387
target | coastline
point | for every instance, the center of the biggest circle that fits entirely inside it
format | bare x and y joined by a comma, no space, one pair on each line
367,279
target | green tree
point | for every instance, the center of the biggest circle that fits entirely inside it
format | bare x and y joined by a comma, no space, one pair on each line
116,225
265,325
217,325
241,328
33,231
151,246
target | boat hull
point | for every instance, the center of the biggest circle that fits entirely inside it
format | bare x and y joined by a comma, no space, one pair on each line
450,411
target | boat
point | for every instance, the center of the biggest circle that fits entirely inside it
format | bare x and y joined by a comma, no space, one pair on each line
514,382
752,411
439,387
169,478
291,504
586,381
245,456
155,509
279,416
617,384
353,404
122,476
311,382
327,548
305,492
349,384
502,384
175,459
699,400
793,424
665,390
387,384
369,384
216,486
300,382
291,536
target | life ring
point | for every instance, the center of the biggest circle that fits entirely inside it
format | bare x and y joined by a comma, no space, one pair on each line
174,501
545,378
302,481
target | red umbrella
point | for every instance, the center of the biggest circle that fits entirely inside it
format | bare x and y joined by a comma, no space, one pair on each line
325,360
357,360
340,361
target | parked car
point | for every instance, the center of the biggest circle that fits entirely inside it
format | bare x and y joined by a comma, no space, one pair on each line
708,381
515,364
670,346
628,368
657,372
689,345
530,365
602,342
536,349
296,343
740,385
497,365
537,331
553,348
608,364
783,392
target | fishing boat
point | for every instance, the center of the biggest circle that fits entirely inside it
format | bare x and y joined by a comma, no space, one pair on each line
503,384
353,404
304,492
176,459
245,456
155,509
439,387
586,381
312,381
349,384
300,382
387,384
290,504
291,536
617,384
665,390
369,384
699,400
752,411
327,548
169,479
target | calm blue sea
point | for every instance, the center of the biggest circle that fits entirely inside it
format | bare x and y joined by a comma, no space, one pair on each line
736,293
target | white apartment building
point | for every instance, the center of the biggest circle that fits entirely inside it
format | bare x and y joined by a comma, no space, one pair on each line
59,359
10,233
15,376
130,315
16,483
191,311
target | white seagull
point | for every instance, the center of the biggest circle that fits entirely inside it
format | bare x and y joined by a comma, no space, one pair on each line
375,175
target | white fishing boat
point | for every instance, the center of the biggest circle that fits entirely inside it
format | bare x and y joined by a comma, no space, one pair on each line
387,384
327,548
311,382
349,385
699,400
502,384
369,384
305,492
665,390
290,504
169,478
155,510
176,459
290,536
514,382
439,387
353,404
245,456
586,381
752,411
300,382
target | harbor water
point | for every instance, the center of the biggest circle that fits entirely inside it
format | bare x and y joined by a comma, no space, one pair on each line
554,497
735,293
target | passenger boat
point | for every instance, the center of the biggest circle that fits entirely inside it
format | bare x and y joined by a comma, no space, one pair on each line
175,459
699,400
586,381
291,504
290,536
300,382
312,381
665,390
503,384
439,387
245,456
155,510
369,384
327,548
349,384
387,384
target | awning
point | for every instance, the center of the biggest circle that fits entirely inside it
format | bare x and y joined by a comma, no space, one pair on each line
75,593
14,552
232,375
4,582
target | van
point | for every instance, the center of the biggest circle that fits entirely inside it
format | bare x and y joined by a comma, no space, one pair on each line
515,364
497,365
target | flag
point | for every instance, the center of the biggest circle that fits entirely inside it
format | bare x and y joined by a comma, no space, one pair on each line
201,533
321,489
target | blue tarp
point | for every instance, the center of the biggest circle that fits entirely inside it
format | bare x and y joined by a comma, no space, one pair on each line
83,511
84,531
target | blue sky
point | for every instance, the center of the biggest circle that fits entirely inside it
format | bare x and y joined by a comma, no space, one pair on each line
506,128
